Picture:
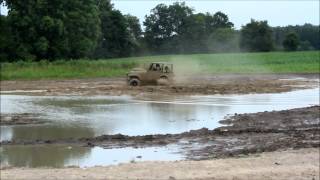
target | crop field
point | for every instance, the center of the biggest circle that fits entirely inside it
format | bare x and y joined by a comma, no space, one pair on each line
271,62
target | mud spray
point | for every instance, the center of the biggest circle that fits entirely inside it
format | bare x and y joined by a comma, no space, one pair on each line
194,68
184,69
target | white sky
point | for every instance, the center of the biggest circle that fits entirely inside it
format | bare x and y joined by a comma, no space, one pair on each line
276,12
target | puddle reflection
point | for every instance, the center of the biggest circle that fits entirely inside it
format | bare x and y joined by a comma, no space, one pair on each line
77,116
62,156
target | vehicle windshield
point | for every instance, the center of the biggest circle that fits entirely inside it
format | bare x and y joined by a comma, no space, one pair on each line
155,67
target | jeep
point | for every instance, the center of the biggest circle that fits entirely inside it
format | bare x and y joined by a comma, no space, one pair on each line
155,73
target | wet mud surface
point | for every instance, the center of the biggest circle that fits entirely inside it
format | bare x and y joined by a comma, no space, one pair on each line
243,134
20,119
204,84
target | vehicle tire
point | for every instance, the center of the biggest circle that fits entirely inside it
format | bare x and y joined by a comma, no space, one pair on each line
134,82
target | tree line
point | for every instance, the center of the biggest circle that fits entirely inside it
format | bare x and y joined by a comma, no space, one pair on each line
73,29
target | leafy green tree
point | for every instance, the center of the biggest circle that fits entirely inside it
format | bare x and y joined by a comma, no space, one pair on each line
194,35
115,40
135,34
45,29
134,26
175,29
201,33
218,20
256,36
82,26
291,42
220,36
178,14
105,12
164,25
308,34
156,27
6,40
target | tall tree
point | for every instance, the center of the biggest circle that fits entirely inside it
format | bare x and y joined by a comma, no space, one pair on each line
256,36
53,29
220,34
308,34
206,32
135,34
175,29
291,42
194,35
218,20
82,27
134,26
6,40
164,25
116,40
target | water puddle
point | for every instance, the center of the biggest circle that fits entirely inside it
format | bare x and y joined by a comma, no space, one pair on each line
22,91
63,156
89,116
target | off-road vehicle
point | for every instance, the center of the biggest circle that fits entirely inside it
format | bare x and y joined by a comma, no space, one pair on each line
156,72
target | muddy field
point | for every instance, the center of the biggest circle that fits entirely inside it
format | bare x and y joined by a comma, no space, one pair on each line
210,84
241,135
245,133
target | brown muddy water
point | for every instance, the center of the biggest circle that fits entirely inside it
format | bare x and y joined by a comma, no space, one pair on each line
89,116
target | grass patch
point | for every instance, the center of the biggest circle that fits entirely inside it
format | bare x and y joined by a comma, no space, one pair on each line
272,62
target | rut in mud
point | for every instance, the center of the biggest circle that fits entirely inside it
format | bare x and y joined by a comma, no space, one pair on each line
196,84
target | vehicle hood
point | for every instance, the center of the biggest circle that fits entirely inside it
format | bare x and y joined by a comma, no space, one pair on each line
135,70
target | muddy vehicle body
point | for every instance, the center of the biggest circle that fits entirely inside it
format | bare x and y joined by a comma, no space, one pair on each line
154,73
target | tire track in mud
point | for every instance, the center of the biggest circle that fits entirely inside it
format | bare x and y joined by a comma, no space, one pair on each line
196,84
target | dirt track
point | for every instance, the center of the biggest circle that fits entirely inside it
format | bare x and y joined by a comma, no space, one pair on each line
300,164
210,84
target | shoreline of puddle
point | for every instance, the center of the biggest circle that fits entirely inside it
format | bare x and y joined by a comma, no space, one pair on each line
256,104
80,117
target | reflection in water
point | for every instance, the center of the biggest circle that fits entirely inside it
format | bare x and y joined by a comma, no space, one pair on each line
78,116
60,155
44,131
36,156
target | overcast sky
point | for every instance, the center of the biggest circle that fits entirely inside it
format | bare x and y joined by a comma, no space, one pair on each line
276,12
